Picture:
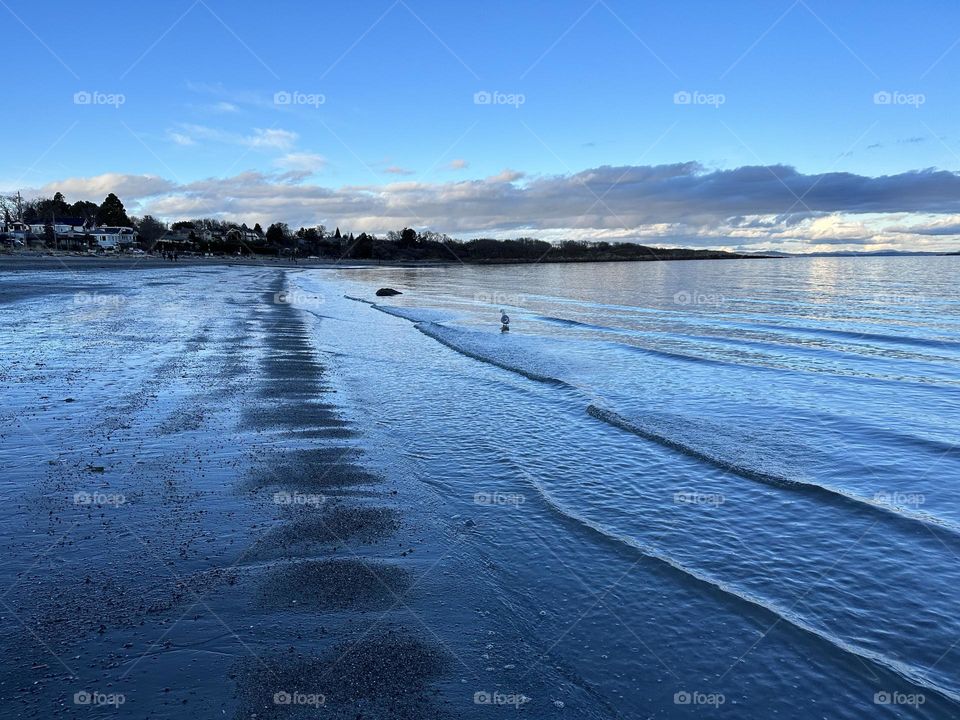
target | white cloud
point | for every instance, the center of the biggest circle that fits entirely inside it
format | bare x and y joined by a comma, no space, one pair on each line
458,164
271,138
303,161
181,139
232,97
682,204
260,138
506,176
397,170
97,187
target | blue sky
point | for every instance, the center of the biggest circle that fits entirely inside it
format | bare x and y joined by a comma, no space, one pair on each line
383,129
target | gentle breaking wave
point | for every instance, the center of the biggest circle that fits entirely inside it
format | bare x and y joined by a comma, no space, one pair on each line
460,340
907,671
714,446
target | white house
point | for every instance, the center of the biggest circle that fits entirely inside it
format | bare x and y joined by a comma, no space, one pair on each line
64,227
111,238
69,227
208,235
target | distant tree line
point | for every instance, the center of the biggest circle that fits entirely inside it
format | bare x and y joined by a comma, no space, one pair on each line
215,236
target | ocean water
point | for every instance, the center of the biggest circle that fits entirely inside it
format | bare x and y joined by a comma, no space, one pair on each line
723,488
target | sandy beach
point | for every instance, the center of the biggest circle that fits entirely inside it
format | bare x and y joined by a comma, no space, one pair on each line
200,537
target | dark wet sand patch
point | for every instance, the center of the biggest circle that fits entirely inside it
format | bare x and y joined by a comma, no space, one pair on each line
324,434
342,584
292,372
308,530
293,416
317,470
296,356
300,392
386,675
321,457
312,385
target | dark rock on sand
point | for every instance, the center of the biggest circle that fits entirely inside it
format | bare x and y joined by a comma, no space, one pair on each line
388,292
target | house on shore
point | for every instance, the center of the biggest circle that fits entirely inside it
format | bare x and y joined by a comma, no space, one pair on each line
244,236
16,232
113,238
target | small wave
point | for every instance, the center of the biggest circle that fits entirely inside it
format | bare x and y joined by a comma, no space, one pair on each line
415,315
459,340
643,350
574,323
854,335
696,359
908,672
763,468
476,345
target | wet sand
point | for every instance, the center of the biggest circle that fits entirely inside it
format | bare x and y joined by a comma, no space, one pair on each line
227,555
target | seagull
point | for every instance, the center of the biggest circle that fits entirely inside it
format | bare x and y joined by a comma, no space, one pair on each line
504,321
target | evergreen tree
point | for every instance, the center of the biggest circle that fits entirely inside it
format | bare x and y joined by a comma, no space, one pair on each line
112,212
278,233
150,230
